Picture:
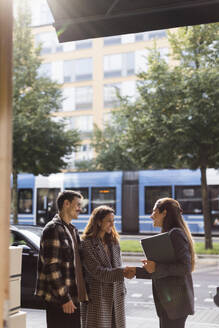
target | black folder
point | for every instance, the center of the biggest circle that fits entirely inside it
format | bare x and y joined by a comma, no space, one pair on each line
159,248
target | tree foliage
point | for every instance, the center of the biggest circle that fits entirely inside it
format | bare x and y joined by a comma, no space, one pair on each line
40,144
173,123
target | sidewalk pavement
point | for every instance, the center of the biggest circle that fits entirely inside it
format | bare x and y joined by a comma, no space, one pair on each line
145,315
203,318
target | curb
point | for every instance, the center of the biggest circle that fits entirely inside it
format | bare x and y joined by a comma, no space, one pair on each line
199,256
202,260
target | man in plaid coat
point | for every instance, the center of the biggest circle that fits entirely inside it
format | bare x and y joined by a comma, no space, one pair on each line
60,280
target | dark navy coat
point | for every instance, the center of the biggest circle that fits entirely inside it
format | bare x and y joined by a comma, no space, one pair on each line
172,283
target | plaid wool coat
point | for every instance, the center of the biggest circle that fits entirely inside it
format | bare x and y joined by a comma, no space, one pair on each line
106,289
56,276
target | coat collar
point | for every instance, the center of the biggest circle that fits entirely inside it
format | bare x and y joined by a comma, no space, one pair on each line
57,220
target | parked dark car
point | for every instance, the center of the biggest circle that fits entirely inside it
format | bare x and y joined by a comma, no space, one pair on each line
28,238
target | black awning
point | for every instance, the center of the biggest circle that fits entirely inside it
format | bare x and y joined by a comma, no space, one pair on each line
85,19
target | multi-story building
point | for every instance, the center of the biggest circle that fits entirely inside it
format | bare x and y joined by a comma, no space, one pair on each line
90,72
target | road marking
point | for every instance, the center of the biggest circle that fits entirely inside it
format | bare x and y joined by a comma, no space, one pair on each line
141,303
197,285
136,295
212,286
209,300
133,282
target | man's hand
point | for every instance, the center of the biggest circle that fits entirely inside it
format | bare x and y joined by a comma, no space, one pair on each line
69,307
129,272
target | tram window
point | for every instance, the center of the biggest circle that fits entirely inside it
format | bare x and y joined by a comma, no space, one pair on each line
190,199
103,196
214,205
25,201
214,198
85,202
152,194
46,204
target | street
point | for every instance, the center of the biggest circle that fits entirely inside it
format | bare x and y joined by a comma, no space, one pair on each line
140,310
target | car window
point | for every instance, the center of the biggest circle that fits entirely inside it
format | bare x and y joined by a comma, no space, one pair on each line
21,237
17,240
35,239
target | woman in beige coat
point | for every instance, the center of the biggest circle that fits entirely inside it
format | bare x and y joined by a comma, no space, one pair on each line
103,271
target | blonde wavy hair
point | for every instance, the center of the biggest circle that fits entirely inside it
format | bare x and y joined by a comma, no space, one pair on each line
93,227
174,219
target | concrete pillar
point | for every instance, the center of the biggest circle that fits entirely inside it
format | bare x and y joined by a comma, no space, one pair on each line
5,150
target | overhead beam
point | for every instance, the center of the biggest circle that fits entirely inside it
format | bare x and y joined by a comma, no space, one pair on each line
119,20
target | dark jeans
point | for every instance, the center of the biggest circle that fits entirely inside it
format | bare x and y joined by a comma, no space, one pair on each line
56,318
165,322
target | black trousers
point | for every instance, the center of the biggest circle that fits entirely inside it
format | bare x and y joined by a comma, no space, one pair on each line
56,318
165,322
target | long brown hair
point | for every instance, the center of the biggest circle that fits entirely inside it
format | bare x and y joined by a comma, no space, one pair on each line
93,226
174,219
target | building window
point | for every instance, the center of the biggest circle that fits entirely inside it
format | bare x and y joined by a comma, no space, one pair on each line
129,90
68,71
45,70
82,123
84,153
112,40
44,40
128,38
139,37
68,103
49,43
83,44
129,63
83,69
83,97
146,36
141,62
119,65
156,34
111,92
69,46
113,65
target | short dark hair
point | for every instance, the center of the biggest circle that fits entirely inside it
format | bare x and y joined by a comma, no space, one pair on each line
66,194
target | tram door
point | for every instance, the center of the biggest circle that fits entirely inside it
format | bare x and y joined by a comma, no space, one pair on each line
46,204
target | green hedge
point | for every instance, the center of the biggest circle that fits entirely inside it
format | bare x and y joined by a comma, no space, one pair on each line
134,246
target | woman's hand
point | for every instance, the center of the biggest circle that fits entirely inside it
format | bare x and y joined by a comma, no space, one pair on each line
129,272
150,266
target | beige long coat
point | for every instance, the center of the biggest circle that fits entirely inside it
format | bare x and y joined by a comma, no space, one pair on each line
106,287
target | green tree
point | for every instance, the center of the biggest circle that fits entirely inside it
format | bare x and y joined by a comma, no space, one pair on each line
197,48
110,148
40,144
173,123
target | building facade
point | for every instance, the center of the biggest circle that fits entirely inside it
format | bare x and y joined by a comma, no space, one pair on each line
90,72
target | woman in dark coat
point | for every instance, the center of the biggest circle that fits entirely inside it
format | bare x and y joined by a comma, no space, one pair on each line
103,271
172,283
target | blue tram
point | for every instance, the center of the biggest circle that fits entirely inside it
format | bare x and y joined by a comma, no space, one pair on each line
131,194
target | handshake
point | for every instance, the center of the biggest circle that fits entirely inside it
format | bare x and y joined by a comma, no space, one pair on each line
129,272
